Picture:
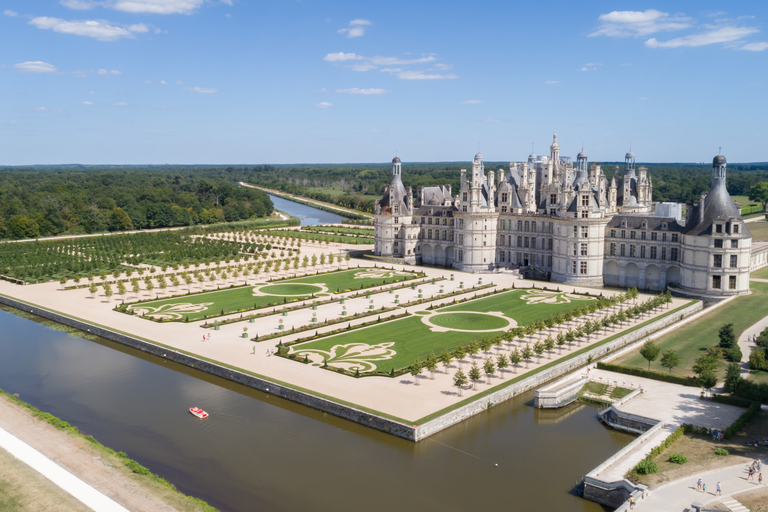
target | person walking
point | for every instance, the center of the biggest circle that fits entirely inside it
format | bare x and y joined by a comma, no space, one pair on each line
254,350
718,489
698,485
751,474
632,503
760,479
704,488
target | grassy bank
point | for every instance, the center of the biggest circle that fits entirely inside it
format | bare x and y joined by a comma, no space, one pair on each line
150,483
692,339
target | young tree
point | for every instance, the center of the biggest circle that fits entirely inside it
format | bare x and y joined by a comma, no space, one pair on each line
650,351
474,375
538,348
670,359
431,364
515,358
473,348
732,377
502,363
489,367
727,336
415,371
459,353
445,358
459,380
121,289
92,288
708,380
560,338
527,354
107,290
549,344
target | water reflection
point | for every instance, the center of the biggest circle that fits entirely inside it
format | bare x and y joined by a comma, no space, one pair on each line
309,216
259,452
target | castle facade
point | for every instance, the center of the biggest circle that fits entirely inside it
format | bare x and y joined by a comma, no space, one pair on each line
566,222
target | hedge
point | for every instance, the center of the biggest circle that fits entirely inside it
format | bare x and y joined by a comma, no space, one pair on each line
732,400
742,420
649,374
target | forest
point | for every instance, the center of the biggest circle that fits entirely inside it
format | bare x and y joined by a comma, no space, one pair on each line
74,199
64,200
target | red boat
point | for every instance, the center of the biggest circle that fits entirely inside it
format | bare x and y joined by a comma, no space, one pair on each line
196,411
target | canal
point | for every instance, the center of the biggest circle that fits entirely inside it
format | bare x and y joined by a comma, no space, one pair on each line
308,215
259,452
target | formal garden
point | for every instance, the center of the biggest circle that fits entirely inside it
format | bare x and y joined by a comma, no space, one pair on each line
542,322
277,292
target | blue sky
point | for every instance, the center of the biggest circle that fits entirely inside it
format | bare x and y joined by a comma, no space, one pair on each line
280,81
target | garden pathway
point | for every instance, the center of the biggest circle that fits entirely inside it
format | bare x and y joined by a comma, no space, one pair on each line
745,345
679,495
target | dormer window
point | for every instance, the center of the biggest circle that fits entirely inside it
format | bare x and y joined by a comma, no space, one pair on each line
735,229
585,200
464,196
396,209
504,197
718,228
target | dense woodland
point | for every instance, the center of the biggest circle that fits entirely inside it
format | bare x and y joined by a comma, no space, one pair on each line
54,200
49,201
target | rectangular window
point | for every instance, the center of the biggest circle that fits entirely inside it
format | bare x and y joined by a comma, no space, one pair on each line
397,220
464,196
461,223
632,235
504,197
585,200
450,236
445,234
675,237
574,267
632,251
716,282
653,252
654,235
429,221
527,242
583,269
552,198
552,211
533,242
575,249
718,261
429,234
663,253
613,249
583,249
673,254
549,261
734,244
718,243
549,244
718,228
623,250
731,282
584,232
461,239
642,251
503,209
663,237
735,229
642,235
613,233
623,233
519,241
734,261
575,230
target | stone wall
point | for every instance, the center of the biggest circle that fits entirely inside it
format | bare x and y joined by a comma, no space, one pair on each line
559,393
405,431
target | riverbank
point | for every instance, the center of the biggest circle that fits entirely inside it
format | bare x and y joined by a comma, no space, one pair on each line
344,212
111,473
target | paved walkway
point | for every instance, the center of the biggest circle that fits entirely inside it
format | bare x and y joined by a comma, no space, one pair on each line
679,495
58,475
754,329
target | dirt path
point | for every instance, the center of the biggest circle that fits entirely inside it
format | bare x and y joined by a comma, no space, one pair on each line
90,463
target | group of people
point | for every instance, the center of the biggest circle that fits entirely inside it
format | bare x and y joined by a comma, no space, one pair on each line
755,467
702,486
752,338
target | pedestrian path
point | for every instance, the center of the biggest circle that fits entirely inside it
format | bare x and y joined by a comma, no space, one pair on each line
80,490
679,495
734,506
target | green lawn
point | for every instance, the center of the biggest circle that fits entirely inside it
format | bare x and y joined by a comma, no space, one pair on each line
759,230
692,339
761,273
208,304
399,343
306,235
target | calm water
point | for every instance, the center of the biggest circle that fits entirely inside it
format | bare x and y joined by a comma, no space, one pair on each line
309,215
258,452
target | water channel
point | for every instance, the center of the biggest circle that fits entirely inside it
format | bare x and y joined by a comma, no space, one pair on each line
308,215
258,452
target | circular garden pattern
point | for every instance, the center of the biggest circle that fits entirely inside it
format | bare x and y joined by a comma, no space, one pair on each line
290,289
462,321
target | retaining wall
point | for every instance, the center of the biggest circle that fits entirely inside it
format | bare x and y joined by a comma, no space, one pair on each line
405,431
559,393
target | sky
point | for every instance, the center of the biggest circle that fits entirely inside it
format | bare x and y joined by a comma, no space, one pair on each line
286,81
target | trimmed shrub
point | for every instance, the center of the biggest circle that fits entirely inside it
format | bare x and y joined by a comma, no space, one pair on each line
742,420
649,374
721,451
646,467
732,400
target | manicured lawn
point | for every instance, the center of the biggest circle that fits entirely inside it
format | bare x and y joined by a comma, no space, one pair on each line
399,343
305,235
759,230
761,273
513,305
595,388
620,392
201,305
357,278
692,339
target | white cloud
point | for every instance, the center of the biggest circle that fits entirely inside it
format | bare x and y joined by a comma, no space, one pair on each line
80,5
342,57
552,82
420,75
719,35
396,61
35,66
639,23
46,109
109,72
356,28
357,90
10,13
163,82
362,66
590,66
98,29
139,28
203,90
323,104
443,67
472,102
88,103
755,47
